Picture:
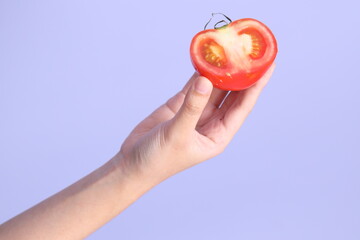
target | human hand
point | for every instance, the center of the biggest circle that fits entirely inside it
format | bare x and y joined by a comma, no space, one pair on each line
191,127
194,125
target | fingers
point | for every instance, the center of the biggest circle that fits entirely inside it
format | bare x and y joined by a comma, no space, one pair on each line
240,104
217,97
174,103
194,103
189,83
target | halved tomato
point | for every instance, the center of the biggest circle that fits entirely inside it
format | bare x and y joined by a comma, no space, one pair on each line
235,56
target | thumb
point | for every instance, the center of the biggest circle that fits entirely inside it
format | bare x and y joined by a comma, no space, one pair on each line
195,101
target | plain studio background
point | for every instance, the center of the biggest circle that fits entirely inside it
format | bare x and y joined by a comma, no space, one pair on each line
77,76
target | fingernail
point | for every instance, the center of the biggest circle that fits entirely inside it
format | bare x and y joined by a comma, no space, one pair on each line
203,86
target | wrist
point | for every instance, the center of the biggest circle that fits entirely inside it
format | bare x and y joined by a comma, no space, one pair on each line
136,180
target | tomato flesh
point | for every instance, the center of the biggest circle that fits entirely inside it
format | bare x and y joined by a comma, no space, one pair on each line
258,43
214,54
236,56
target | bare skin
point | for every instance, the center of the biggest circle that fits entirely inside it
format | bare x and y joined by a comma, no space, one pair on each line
189,128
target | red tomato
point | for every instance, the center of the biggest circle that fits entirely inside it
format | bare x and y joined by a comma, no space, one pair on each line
235,56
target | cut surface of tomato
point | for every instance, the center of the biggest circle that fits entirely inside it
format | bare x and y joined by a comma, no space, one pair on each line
235,56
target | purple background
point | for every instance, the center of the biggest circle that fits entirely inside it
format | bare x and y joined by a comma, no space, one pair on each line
77,76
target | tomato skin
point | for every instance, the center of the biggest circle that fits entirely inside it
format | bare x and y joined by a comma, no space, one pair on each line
234,57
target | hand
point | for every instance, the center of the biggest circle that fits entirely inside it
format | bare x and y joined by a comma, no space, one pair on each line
194,125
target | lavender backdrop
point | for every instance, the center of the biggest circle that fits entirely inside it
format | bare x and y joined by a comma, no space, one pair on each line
77,76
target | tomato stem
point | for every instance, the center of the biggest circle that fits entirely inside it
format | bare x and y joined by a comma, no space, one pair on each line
222,21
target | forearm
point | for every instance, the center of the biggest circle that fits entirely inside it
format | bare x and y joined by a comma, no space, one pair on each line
80,209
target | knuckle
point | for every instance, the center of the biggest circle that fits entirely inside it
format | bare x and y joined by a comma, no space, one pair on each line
192,108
